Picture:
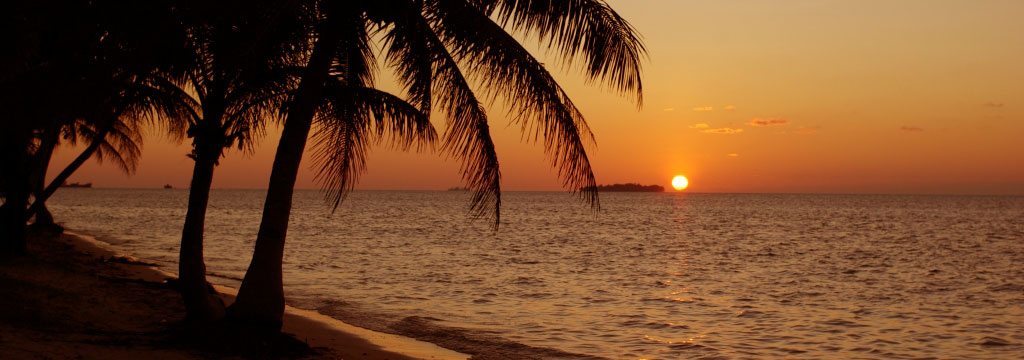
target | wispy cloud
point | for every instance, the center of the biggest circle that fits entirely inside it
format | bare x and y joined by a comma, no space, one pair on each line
699,126
669,109
729,108
723,131
911,128
806,130
993,104
703,108
733,155
770,121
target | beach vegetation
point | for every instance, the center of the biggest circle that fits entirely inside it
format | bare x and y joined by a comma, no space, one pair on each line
84,71
452,53
234,79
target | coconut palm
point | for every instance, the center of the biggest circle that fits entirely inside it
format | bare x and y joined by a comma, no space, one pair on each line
81,63
112,124
115,137
235,83
439,49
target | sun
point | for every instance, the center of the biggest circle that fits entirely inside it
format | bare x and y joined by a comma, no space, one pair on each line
679,182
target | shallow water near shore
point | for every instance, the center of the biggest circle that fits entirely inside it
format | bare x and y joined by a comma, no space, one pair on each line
653,275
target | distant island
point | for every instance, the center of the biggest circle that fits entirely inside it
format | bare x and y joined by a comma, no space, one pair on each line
628,187
458,188
76,185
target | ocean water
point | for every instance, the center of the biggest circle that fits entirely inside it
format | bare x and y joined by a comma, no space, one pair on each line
653,275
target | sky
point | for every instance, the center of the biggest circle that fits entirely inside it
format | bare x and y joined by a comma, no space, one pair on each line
758,96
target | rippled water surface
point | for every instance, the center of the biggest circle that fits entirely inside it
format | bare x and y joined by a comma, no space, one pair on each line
652,276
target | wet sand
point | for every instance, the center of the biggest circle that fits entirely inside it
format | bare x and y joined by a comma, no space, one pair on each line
72,298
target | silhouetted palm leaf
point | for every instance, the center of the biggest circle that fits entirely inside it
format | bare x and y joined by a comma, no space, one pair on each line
588,28
350,120
505,68
467,134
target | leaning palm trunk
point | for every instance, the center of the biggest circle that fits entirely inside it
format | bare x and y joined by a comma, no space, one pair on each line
43,156
40,201
260,298
201,303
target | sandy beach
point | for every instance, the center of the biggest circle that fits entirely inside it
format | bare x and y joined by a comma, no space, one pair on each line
73,298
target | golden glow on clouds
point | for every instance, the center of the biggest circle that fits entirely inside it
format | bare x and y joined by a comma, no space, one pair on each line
771,121
723,131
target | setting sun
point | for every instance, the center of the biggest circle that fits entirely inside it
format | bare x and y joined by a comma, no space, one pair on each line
679,182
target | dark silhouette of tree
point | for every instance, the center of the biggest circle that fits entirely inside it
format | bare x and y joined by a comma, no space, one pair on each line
82,66
438,49
236,81
114,132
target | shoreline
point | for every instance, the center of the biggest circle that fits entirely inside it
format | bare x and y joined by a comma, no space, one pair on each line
70,262
331,330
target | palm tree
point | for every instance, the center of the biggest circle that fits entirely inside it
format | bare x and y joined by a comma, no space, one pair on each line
236,82
113,138
113,133
438,47
76,63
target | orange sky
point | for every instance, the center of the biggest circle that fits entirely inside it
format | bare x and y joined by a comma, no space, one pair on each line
752,96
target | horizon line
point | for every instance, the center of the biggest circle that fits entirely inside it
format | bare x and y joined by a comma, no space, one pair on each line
571,192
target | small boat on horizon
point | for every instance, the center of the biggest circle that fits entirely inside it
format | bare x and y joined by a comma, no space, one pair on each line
168,186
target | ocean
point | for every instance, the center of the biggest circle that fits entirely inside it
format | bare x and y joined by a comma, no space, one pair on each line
652,275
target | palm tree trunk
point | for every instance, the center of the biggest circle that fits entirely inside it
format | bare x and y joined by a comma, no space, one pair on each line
202,305
40,200
16,191
43,156
260,301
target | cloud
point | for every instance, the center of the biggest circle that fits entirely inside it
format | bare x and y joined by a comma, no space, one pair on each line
806,130
669,109
911,128
703,108
992,104
733,155
729,108
699,126
771,121
723,131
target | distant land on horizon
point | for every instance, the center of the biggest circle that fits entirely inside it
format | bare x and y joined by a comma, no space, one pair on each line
628,187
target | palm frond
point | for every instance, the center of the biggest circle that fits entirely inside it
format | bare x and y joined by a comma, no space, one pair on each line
356,63
165,100
254,99
505,68
122,146
350,120
410,56
467,134
611,48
